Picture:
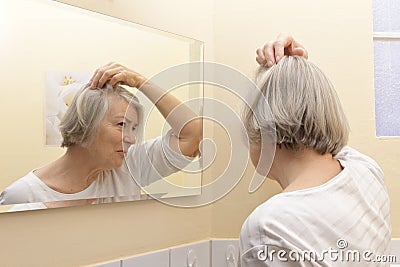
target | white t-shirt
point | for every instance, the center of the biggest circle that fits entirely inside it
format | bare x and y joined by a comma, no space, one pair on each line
144,164
349,215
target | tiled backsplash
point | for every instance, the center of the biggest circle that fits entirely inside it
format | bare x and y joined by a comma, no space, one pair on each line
216,252
396,251
159,258
191,255
225,252
208,253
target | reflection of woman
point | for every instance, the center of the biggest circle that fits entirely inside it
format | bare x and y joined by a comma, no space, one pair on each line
334,198
99,130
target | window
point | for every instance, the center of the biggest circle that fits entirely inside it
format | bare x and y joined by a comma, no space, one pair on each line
386,14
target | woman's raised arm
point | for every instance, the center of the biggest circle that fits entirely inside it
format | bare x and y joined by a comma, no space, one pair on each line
185,124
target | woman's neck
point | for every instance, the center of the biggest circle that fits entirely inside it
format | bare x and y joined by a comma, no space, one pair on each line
306,168
73,172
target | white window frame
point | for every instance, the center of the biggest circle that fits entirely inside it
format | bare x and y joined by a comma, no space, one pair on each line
386,36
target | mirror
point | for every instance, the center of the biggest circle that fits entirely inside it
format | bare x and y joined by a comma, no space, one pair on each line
43,43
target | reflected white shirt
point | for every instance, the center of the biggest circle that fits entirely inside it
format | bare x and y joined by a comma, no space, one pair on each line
144,164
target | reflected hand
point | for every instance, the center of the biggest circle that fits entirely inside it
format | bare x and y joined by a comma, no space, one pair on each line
115,73
273,51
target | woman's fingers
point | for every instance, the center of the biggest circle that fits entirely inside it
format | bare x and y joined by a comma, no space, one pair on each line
260,58
106,73
116,73
273,51
300,51
282,44
266,55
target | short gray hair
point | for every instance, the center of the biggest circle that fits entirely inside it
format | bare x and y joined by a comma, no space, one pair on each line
81,122
306,111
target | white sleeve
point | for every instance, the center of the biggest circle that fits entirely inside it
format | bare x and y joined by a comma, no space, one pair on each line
154,159
18,192
349,154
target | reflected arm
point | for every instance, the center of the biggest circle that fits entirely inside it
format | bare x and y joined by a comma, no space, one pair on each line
185,124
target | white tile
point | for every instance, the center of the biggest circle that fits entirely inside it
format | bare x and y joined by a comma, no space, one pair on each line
108,264
154,259
225,252
197,254
396,250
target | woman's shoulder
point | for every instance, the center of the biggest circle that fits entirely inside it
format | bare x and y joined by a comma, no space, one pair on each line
348,153
21,190
273,212
24,183
358,161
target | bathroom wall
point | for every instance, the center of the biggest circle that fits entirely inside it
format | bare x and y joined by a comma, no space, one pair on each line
338,36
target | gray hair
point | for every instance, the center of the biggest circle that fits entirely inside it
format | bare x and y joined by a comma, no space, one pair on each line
306,111
81,122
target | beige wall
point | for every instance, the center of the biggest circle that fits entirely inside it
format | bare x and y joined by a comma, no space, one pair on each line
338,36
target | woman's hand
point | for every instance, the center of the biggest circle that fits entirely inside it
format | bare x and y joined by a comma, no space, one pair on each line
115,73
273,51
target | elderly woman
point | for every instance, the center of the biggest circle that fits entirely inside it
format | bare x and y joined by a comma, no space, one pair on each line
100,130
334,199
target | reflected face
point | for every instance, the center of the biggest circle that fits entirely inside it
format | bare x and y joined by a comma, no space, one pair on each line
116,134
